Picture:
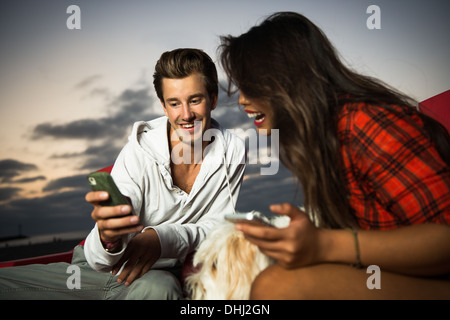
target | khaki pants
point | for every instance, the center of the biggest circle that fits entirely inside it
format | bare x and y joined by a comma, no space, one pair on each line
56,281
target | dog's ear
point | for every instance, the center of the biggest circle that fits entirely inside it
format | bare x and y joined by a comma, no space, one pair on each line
239,252
235,262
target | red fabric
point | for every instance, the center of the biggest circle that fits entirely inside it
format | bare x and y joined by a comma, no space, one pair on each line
51,258
395,175
438,107
188,267
107,169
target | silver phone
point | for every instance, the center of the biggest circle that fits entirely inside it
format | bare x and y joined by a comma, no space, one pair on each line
249,218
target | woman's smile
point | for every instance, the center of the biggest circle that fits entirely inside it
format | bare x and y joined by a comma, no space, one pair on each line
259,117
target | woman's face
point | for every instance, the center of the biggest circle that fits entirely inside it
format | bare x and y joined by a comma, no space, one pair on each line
260,113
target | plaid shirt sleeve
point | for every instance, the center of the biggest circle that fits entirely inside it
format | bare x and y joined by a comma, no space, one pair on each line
395,175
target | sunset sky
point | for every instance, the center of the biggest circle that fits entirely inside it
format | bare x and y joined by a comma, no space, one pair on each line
68,98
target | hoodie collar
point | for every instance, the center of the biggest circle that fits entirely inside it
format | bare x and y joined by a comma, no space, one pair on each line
153,138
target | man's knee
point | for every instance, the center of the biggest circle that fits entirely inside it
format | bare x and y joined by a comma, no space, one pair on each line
155,285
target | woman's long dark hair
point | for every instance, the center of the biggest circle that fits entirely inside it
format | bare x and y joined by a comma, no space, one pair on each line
289,64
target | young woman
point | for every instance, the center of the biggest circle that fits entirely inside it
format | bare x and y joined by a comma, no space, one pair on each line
375,173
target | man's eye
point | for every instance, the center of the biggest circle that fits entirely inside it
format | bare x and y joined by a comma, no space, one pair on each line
195,101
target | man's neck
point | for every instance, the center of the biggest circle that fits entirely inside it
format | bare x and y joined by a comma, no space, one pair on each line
185,161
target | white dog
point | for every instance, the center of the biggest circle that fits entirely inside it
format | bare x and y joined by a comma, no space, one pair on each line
227,264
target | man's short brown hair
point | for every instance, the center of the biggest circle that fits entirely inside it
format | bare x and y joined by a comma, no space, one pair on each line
181,63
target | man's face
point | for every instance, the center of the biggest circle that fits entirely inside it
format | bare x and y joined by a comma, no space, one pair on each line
188,106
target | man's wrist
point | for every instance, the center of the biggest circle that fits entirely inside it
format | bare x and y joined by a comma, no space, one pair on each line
111,246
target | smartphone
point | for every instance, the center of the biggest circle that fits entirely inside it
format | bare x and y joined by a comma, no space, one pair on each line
102,181
252,218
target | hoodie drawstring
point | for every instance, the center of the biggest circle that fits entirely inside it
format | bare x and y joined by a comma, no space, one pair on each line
228,183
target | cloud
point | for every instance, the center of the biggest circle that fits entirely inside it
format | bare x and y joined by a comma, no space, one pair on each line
94,157
62,210
55,213
8,193
258,192
130,106
31,179
64,207
80,129
98,157
88,81
72,182
130,95
10,168
105,136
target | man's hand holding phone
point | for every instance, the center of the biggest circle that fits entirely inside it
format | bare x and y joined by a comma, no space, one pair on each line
113,214
112,211
112,221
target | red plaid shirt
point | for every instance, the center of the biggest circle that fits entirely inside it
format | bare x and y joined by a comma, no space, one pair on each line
395,175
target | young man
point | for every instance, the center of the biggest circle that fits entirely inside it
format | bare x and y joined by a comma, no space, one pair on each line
181,173
178,191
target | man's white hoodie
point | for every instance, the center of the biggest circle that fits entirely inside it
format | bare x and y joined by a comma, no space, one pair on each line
142,173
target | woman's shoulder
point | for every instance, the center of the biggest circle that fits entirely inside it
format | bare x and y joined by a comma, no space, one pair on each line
368,116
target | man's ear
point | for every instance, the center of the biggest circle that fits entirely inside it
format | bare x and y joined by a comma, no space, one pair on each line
214,99
164,108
